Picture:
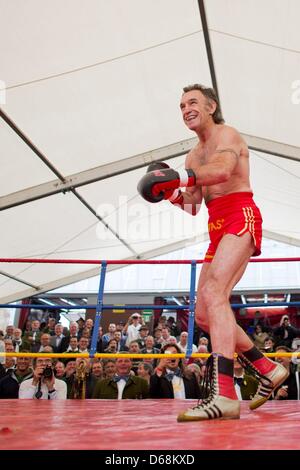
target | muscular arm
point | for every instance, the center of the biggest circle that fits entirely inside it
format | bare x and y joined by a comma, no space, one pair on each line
218,170
222,163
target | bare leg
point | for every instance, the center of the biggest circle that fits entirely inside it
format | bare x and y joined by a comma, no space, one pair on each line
215,284
243,342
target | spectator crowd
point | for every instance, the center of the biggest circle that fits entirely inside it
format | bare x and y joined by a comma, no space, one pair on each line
123,377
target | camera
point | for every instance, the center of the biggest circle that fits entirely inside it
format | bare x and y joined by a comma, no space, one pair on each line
47,372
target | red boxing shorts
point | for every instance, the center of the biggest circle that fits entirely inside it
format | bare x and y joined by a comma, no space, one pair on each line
237,214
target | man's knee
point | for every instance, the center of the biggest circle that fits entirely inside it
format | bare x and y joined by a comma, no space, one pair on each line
202,322
210,293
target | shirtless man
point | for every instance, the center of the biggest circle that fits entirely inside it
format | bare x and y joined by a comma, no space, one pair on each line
217,170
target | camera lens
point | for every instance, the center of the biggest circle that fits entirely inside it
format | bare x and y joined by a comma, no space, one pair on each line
48,372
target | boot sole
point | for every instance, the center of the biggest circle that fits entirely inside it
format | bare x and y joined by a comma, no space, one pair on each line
185,419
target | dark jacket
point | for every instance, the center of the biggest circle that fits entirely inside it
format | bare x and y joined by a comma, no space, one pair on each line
291,383
71,382
291,331
10,384
136,387
161,387
248,387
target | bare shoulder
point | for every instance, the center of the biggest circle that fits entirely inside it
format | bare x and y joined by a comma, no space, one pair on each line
229,138
230,134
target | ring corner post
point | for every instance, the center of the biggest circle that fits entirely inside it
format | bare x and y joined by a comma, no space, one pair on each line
99,308
191,321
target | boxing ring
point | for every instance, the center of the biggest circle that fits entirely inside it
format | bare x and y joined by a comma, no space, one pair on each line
146,425
132,424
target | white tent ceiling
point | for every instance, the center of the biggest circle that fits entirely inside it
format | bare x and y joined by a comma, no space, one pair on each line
91,96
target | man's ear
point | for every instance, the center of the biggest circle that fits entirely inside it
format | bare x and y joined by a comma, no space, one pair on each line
211,106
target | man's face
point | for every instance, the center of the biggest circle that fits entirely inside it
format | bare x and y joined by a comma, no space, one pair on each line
134,348
73,329
97,369
203,341
149,342
141,371
70,367
109,369
112,345
17,333
45,340
9,347
157,334
35,325
89,323
112,328
172,363
165,333
144,333
83,343
285,361
58,330
59,369
268,344
183,338
123,366
43,362
73,343
23,363
118,335
195,109
10,330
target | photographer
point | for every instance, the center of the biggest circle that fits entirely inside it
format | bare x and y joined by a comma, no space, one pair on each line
132,328
43,385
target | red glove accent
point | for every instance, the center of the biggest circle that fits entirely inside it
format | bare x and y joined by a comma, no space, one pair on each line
176,197
160,184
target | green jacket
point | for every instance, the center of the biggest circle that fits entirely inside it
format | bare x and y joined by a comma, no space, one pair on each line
136,387
248,387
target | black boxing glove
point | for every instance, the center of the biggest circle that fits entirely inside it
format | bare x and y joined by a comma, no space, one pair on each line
176,196
172,194
161,183
157,166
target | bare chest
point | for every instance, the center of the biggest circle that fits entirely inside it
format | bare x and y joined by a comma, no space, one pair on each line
201,155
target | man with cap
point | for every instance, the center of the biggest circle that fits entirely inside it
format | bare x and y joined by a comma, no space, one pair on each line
144,332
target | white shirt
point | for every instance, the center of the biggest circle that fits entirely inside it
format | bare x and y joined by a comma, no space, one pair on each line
2,349
178,386
132,333
238,388
58,340
73,350
121,385
18,345
184,348
28,390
